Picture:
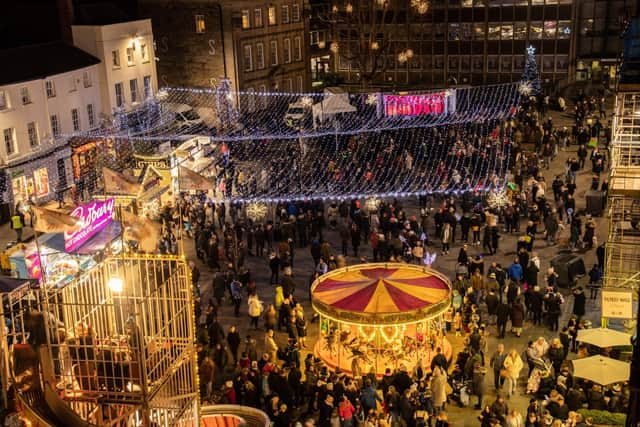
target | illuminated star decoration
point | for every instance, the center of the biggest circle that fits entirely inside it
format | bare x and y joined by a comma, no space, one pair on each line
498,199
531,50
525,88
256,211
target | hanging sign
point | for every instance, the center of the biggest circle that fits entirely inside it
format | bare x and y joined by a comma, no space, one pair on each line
617,304
415,105
94,216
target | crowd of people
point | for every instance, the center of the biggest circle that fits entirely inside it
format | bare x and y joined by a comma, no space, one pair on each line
488,294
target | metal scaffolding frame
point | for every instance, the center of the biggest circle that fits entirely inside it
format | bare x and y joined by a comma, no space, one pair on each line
115,344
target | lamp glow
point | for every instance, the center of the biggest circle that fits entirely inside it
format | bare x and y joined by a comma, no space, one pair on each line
115,284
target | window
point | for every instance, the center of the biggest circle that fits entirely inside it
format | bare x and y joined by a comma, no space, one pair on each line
24,95
259,56
91,116
148,90
535,30
549,30
32,131
4,100
144,52
115,58
315,37
55,125
454,31
494,31
119,95
297,48
200,24
50,89
286,51
257,18
41,178
520,31
9,141
86,79
75,119
273,51
72,84
285,14
478,31
288,83
295,12
131,60
300,84
263,99
272,15
564,30
133,87
248,58
246,20
251,99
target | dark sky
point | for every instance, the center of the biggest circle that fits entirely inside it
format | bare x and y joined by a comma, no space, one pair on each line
25,22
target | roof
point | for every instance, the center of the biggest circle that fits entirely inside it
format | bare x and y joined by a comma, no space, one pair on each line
38,61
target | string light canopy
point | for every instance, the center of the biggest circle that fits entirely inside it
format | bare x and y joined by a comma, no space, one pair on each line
272,147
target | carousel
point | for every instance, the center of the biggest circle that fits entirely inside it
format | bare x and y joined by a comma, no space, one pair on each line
381,315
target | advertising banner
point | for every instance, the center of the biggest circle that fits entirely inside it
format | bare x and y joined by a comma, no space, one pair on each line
94,216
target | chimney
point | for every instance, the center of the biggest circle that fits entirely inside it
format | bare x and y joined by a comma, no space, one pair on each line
65,19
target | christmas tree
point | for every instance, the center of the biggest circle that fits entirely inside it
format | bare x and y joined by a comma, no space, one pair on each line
530,78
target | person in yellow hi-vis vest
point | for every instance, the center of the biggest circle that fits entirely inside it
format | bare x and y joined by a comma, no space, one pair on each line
17,223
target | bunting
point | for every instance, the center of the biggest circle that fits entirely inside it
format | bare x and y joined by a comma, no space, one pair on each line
49,221
117,183
190,180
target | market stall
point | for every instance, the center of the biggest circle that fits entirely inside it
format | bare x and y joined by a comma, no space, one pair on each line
382,315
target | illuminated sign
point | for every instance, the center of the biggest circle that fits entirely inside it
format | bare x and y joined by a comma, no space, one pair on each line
94,216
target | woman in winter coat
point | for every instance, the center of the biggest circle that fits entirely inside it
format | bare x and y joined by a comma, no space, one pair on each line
517,317
513,365
270,317
255,309
270,346
438,388
446,237
556,355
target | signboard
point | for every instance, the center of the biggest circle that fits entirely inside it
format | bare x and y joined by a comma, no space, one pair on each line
94,216
617,304
415,105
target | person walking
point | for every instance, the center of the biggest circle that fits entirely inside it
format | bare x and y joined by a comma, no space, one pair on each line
255,309
497,364
579,302
512,365
17,223
479,385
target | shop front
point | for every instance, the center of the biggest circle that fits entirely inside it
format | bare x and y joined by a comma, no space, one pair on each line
604,70
39,179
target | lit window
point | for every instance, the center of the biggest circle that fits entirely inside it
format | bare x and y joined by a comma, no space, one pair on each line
115,58
133,87
478,31
248,58
9,141
50,89
520,30
272,15
286,51
119,95
200,24
564,30
549,29
246,20
75,119
4,100
24,95
535,30
494,31
86,79
91,115
285,14
148,90
295,12
257,18
297,48
273,51
131,60
259,56
144,52
55,125
32,131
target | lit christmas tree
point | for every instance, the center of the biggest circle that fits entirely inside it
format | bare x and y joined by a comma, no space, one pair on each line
530,77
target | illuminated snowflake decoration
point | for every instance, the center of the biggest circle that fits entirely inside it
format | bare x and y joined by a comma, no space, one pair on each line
498,199
372,205
525,88
372,99
256,211
421,6
306,101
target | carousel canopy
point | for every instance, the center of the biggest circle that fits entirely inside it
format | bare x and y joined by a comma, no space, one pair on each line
381,294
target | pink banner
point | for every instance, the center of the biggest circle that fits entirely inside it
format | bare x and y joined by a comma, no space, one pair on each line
414,105
94,216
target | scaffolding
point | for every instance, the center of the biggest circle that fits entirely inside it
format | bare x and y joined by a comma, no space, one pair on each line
112,348
622,250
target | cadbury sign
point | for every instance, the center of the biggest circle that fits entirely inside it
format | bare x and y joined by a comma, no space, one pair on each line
94,216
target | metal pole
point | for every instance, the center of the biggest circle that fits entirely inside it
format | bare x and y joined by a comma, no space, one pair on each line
633,419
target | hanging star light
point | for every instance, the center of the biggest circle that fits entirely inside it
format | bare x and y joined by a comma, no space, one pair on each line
421,6
531,50
372,99
525,88
256,211
498,199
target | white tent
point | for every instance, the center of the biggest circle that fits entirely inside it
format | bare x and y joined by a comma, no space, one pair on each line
331,105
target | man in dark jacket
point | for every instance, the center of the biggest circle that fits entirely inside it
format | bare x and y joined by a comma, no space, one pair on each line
502,312
492,302
535,305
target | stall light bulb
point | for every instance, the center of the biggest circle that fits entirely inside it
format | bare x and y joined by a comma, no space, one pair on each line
115,284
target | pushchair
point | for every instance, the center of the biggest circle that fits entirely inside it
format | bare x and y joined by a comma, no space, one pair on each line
461,389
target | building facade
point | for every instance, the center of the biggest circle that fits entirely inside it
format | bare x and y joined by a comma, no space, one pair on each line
259,46
126,49
461,41
51,90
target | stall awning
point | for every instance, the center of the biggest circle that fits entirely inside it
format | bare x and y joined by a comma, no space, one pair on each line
54,242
